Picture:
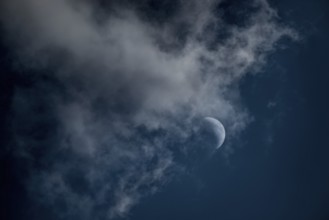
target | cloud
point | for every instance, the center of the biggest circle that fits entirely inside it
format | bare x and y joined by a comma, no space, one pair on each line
115,91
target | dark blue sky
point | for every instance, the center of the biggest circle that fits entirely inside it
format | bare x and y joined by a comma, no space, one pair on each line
286,176
279,168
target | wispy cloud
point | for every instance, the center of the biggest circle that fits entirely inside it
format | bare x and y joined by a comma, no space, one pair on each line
114,91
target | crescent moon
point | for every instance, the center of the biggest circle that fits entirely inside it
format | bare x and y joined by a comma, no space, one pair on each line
218,129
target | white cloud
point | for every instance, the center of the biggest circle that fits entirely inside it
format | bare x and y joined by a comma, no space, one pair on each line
128,88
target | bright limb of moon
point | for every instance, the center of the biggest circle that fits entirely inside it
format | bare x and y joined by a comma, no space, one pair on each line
218,129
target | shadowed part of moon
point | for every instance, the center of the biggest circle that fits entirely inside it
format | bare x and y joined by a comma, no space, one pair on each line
218,129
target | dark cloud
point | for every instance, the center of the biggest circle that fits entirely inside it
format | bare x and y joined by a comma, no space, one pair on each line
112,92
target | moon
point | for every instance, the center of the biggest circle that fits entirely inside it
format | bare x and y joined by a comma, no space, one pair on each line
218,129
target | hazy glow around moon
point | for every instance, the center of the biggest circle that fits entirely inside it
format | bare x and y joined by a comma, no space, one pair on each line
218,129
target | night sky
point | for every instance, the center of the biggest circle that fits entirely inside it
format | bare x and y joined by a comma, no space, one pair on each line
102,107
